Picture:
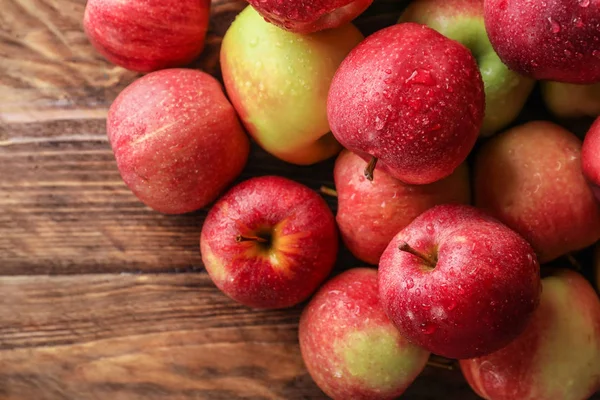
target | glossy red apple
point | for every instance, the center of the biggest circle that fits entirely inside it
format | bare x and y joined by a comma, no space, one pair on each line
558,355
349,345
370,214
590,157
459,283
393,101
147,35
269,242
177,140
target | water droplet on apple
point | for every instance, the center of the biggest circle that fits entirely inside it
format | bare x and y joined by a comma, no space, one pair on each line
429,228
428,328
492,303
596,53
554,26
578,22
568,53
388,71
379,123
421,76
426,306
584,3
410,283
451,305
418,292
253,42
460,290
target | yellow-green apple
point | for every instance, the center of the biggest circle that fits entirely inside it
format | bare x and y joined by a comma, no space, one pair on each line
177,140
459,283
590,157
370,214
309,16
393,101
278,82
555,40
569,100
558,355
350,347
530,178
147,35
462,20
269,242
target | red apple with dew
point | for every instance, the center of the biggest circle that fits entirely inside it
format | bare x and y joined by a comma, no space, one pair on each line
409,101
558,355
459,283
350,347
177,140
147,35
531,179
269,242
370,214
590,157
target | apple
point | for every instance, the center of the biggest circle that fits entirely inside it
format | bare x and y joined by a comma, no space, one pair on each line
350,347
531,179
597,267
459,283
269,242
556,40
590,157
278,83
177,140
558,355
462,20
393,101
370,214
568,100
310,16
147,35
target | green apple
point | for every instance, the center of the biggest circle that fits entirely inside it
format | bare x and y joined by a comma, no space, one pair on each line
278,82
568,100
462,20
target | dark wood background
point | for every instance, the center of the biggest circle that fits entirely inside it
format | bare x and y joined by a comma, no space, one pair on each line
100,297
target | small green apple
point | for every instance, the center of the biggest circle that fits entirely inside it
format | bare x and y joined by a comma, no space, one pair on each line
568,100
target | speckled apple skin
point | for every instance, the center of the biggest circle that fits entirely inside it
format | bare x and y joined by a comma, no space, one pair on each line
530,178
350,347
147,35
590,157
556,40
304,245
176,139
310,16
410,97
370,214
481,293
558,355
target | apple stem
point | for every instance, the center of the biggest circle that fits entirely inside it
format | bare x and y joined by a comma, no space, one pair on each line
240,238
573,261
437,364
406,247
370,168
328,191
441,362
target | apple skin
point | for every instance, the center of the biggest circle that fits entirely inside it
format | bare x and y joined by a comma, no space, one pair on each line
590,157
147,35
310,16
558,355
568,100
350,347
479,296
462,20
301,253
531,179
370,214
177,140
278,82
561,41
394,98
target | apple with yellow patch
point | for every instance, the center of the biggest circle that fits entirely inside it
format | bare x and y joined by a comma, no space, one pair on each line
269,242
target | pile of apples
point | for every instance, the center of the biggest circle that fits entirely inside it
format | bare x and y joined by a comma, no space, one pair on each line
408,103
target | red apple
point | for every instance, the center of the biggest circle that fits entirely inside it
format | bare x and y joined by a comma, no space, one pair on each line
459,283
309,15
590,157
147,35
393,101
558,355
349,345
177,140
370,214
530,178
269,242
556,40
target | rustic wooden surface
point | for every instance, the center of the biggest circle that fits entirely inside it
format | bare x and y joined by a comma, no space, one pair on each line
101,298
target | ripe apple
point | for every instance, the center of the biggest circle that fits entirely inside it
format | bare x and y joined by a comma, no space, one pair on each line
462,20
459,283
590,157
147,35
177,140
531,179
370,214
568,100
555,40
269,242
350,347
278,82
310,16
558,355
393,101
